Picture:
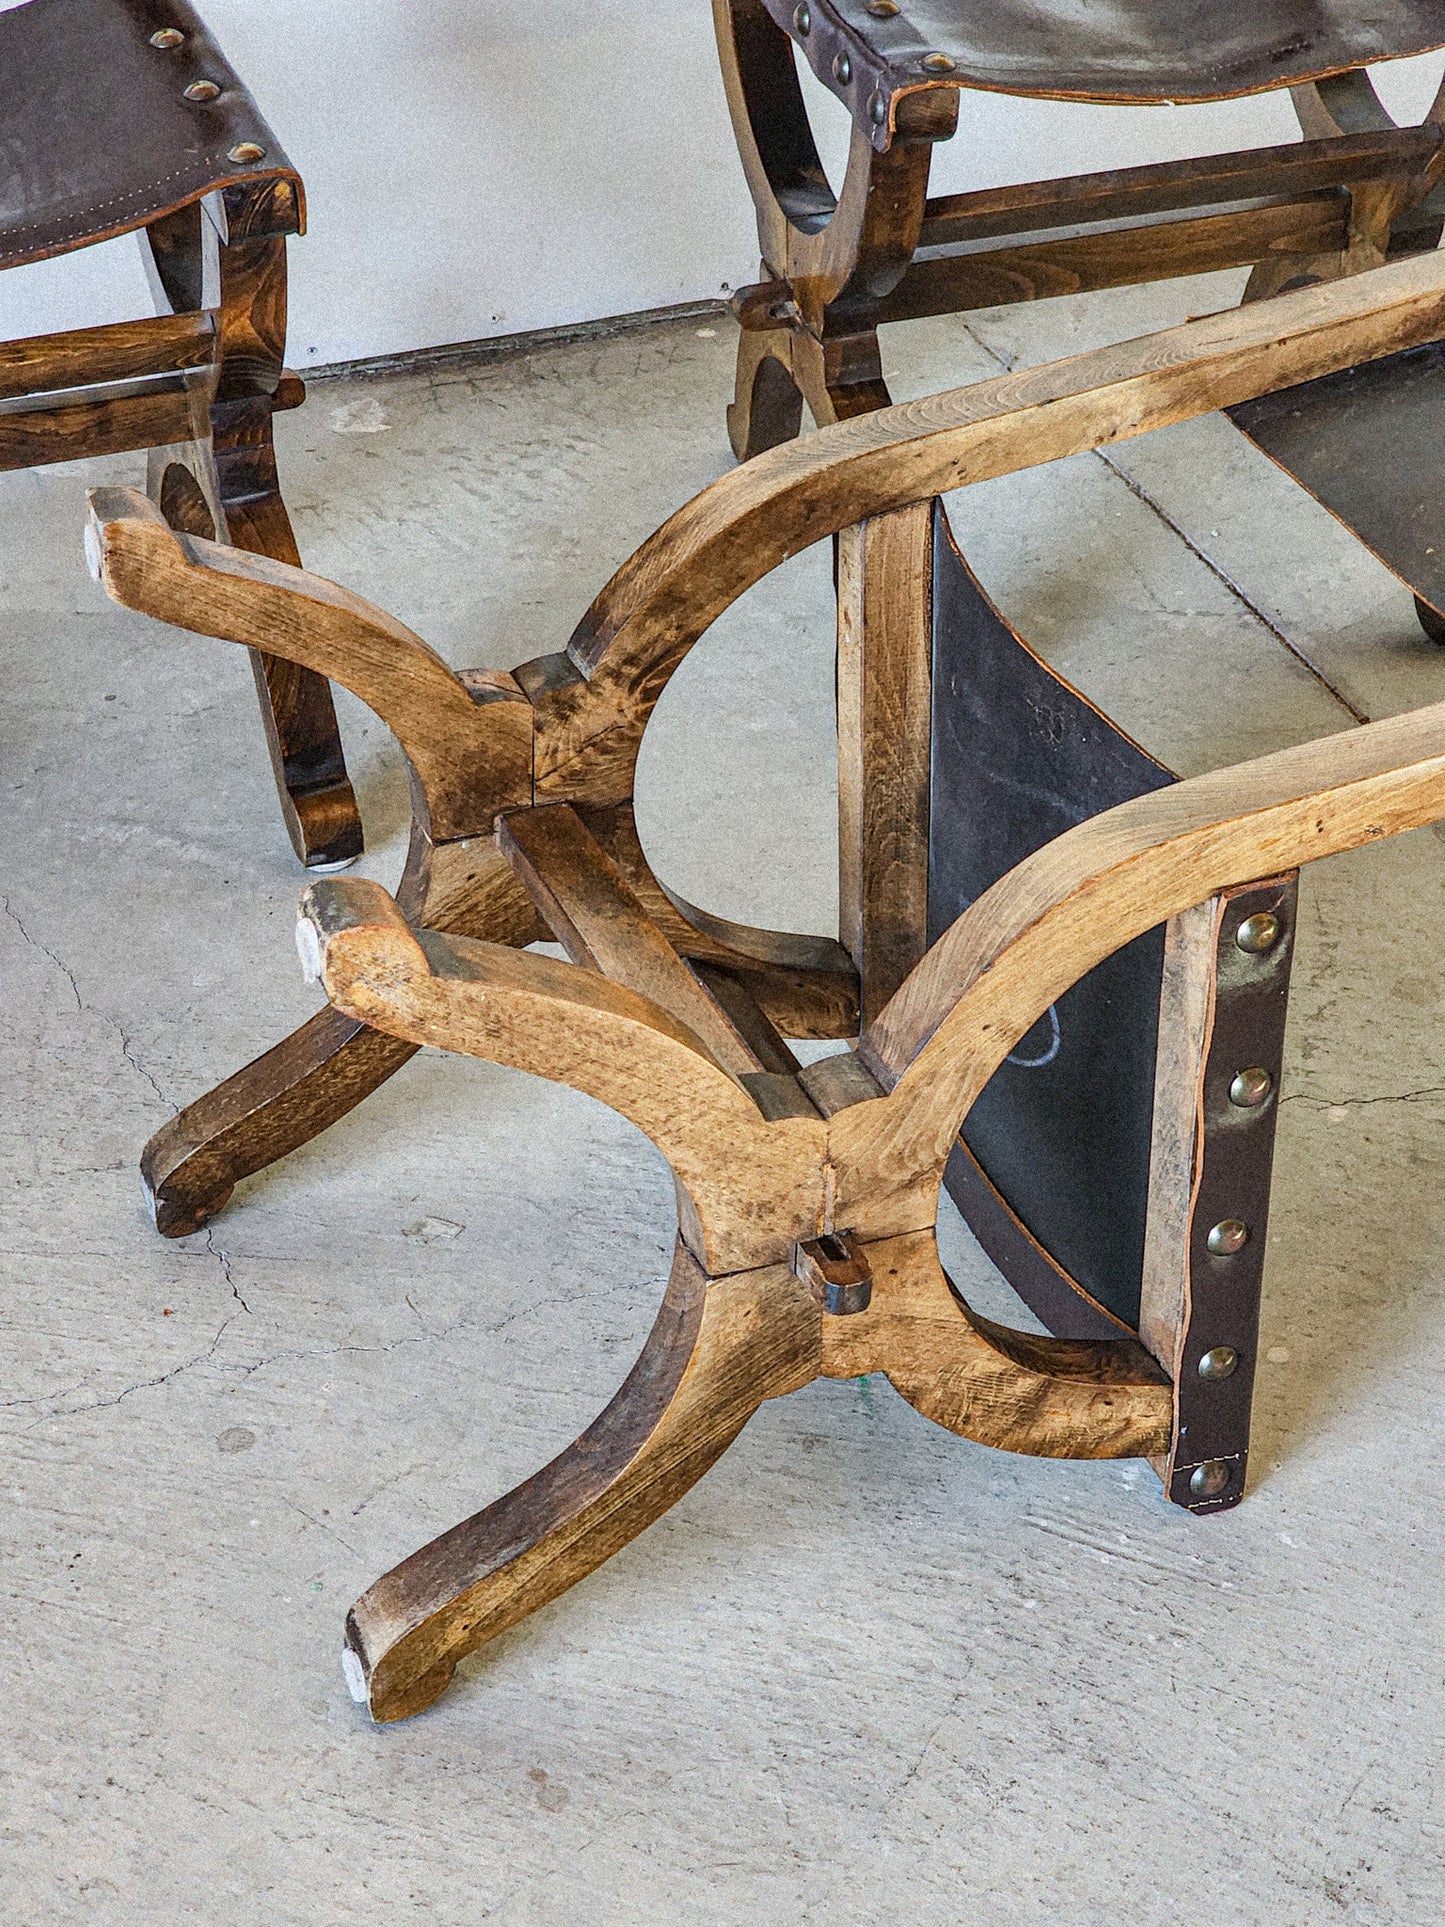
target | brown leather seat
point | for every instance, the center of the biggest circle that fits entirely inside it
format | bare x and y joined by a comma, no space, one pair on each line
97,135
866,51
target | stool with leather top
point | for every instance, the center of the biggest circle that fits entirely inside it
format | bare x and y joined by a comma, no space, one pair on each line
808,1196
1355,191
121,115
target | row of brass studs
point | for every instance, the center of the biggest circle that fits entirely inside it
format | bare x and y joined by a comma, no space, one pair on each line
1248,1089
244,153
934,63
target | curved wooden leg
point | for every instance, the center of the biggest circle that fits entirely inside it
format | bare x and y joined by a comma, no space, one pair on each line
841,376
304,1084
318,805
768,408
719,1348
276,1104
297,712
1052,1397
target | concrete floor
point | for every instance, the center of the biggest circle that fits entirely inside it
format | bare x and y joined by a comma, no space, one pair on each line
865,1671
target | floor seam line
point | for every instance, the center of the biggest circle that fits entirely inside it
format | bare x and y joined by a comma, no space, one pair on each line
1141,494
1241,595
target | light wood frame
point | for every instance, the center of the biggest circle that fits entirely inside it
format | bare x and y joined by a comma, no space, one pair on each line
807,1198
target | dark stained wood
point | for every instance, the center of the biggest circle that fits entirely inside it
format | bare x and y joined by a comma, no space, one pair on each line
1289,171
719,1348
298,1089
275,1105
1356,191
194,386
1159,251
1124,51
31,437
121,351
838,257
850,1180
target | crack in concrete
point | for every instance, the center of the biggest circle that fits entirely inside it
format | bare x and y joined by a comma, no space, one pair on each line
127,1050
1350,1103
223,1259
148,1384
1141,494
45,951
321,1525
128,1053
162,1378
428,1334
912,1774
1236,589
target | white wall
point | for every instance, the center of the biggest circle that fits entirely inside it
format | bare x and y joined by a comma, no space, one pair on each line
484,167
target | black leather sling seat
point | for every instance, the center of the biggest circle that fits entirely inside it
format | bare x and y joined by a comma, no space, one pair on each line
868,51
98,131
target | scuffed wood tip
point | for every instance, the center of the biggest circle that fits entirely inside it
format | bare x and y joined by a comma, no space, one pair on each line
116,520
350,928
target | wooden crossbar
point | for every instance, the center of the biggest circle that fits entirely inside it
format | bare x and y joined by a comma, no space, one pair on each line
594,914
120,351
1292,169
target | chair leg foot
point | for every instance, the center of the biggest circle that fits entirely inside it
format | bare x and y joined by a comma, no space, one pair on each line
318,805
298,715
275,1105
719,1348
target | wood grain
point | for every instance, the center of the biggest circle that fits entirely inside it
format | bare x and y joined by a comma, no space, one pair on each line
885,719
584,899
1186,1014
751,1186
997,969
471,748
719,1348
1053,1397
1158,250
120,351
590,720
1285,171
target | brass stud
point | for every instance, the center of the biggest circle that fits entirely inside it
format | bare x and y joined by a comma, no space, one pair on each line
938,63
882,9
246,151
202,90
1250,1087
878,109
1220,1361
167,37
1207,1481
1227,1237
842,69
803,20
1258,933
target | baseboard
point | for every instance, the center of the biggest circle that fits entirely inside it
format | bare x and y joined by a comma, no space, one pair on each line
507,347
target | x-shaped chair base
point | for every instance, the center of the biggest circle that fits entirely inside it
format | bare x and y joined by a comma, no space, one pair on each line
807,1197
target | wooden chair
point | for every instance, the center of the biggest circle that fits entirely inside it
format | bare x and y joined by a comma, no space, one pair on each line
121,115
1356,190
807,1197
